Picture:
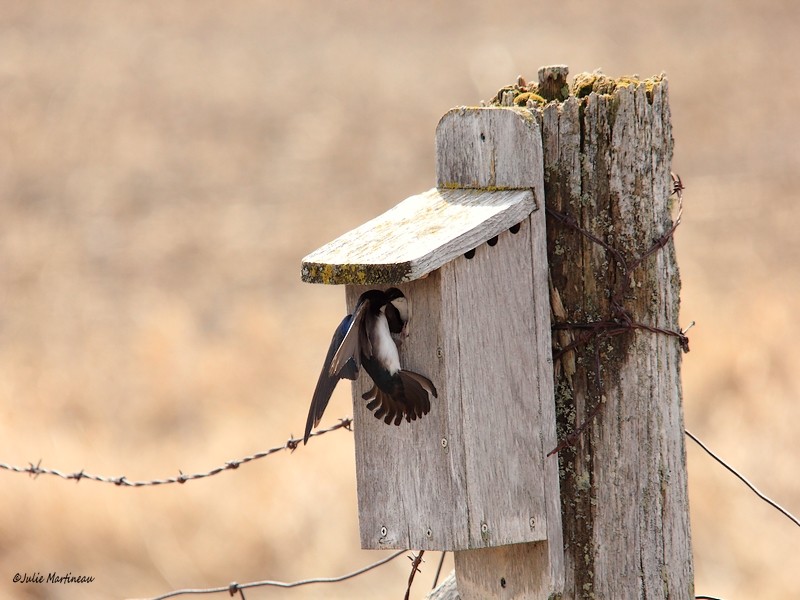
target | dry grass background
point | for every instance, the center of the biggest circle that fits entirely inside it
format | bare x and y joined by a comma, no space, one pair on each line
165,166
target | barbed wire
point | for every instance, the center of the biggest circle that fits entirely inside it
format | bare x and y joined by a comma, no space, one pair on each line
744,480
291,444
620,320
415,562
234,588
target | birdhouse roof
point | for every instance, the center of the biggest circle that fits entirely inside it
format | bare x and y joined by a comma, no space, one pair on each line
417,236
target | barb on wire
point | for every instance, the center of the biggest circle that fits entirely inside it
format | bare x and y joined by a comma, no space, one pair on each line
234,587
677,190
415,562
744,480
291,444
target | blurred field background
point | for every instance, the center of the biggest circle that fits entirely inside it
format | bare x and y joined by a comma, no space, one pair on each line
165,166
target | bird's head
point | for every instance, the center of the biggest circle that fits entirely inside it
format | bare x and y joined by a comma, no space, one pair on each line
400,302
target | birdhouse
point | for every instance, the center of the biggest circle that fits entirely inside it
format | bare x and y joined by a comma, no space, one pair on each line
470,257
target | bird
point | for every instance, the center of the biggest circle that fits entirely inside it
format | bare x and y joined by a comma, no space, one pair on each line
364,338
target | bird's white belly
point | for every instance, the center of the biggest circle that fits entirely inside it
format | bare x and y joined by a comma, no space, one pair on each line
383,346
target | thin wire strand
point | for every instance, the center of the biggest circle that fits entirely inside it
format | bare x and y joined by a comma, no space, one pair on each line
744,480
291,444
438,570
415,563
237,587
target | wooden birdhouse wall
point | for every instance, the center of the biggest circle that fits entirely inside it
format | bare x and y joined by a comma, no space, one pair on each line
470,473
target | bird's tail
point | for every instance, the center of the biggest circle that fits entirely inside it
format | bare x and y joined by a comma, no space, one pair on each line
409,398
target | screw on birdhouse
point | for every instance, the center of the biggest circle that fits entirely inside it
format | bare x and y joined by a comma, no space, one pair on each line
503,582
484,527
439,352
429,533
469,254
444,442
483,137
532,522
492,241
384,531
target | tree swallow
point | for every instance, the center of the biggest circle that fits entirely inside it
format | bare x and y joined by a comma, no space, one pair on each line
365,338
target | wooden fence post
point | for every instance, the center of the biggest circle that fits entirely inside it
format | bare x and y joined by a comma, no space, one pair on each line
623,496
614,287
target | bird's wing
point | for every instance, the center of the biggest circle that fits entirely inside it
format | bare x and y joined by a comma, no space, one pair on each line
327,382
350,348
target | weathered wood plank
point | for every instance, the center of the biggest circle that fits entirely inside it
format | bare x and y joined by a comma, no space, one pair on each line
492,148
499,392
417,236
505,573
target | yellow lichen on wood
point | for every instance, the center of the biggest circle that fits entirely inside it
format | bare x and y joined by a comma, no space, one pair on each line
586,83
523,98
583,84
